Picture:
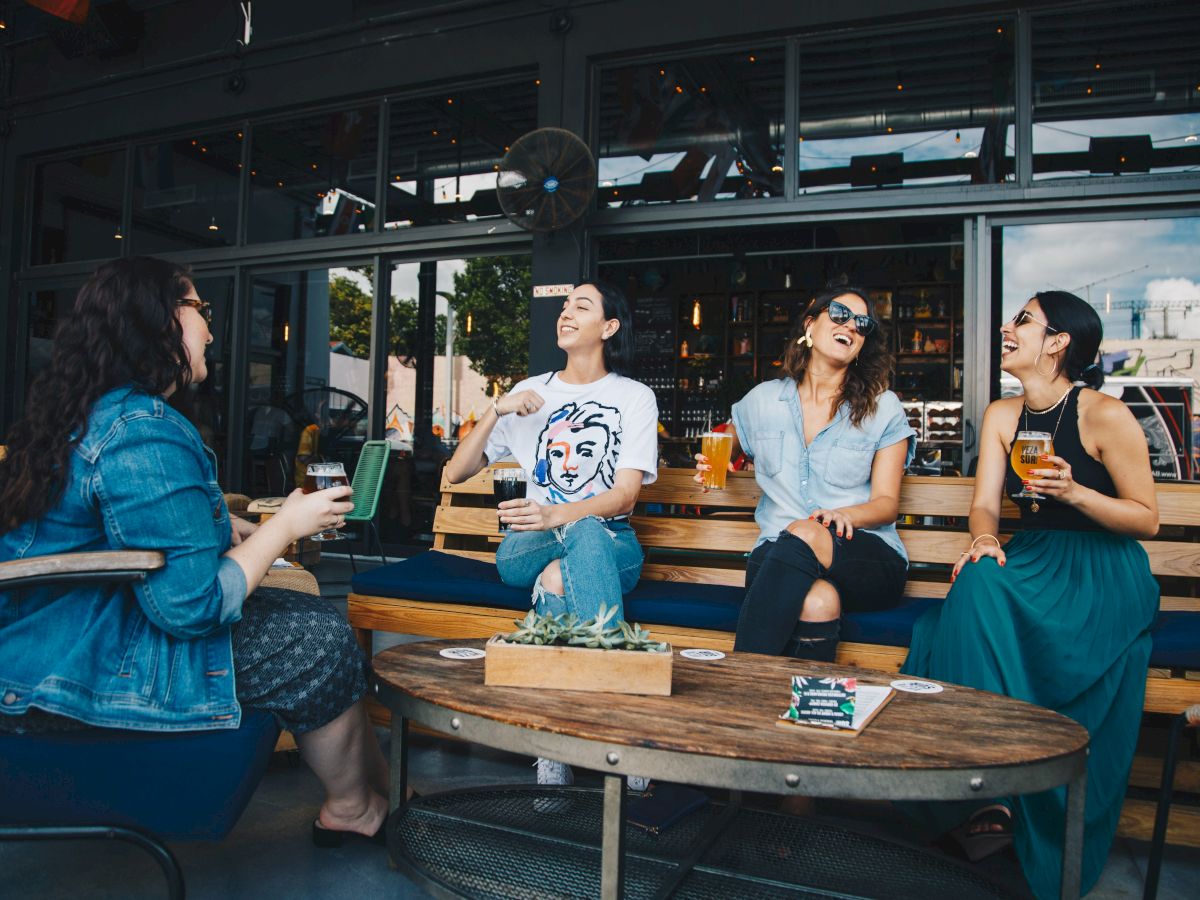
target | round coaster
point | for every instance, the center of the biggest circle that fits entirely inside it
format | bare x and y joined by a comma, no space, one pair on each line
462,653
702,654
913,686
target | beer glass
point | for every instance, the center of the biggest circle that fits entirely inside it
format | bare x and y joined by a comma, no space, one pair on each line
508,484
1026,455
717,446
318,477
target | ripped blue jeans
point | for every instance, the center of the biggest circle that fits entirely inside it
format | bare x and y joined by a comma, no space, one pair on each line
601,561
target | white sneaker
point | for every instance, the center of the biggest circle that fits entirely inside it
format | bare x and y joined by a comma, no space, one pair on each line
553,772
638,784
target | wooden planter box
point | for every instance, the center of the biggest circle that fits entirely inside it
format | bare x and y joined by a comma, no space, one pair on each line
578,668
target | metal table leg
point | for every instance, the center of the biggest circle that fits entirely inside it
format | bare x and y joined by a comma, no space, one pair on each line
398,779
1072,859
612,847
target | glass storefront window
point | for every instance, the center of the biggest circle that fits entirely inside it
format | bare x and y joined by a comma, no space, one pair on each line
692,129
1143,277
1116,93
185,193
77,207
309,370
314,176
46,307
439,384
445,150
922,107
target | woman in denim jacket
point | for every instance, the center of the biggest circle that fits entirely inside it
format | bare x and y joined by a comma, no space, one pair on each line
830,444
101,462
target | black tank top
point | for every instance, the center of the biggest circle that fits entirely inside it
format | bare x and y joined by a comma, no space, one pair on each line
1084,469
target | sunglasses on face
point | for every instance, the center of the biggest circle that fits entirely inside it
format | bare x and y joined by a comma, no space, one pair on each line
1026,316
201,306
840,314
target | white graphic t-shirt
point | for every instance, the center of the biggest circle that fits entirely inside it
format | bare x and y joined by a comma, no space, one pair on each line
573,446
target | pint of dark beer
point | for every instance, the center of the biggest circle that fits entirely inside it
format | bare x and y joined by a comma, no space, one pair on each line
508,484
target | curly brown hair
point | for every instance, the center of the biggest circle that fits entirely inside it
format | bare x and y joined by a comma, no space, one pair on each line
123,330
867,378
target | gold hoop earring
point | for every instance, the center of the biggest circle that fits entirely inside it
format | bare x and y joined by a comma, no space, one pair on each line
805,339
1037,359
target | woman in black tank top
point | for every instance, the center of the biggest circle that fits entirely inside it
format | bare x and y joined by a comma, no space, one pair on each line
1059,616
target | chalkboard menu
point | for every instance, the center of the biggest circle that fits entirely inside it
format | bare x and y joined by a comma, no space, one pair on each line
654,325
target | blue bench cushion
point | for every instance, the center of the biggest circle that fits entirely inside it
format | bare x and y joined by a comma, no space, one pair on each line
184,784
445,578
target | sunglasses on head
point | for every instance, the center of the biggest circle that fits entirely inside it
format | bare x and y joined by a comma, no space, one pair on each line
201,306
1026,316
840,314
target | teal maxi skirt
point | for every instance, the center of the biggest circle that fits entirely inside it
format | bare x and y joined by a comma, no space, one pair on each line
1065,624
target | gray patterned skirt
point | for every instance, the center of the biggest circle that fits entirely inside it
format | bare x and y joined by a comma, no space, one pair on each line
293,655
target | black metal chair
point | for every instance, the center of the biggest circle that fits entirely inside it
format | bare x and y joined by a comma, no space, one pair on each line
1189,718
140,787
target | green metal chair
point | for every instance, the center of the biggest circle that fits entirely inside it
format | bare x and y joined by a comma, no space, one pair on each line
367,486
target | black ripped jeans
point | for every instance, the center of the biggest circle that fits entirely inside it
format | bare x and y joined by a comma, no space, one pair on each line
868,574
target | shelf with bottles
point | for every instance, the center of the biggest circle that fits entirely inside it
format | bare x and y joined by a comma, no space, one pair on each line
943,422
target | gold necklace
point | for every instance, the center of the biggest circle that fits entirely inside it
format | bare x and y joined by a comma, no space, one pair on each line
1035,506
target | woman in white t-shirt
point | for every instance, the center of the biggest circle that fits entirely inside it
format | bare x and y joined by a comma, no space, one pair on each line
587,440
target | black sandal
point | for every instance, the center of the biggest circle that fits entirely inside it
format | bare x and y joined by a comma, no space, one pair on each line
985,833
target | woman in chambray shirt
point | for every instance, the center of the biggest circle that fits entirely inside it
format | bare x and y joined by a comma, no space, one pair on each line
830,444
101,462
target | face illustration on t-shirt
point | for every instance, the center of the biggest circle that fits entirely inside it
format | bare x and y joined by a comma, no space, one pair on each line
577,451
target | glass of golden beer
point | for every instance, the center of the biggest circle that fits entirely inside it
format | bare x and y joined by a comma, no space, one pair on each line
717,446
1027,451
319,477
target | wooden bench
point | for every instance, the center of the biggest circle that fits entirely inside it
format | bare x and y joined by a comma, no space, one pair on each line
701,538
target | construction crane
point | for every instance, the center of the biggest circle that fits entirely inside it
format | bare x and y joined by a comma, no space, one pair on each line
1138,308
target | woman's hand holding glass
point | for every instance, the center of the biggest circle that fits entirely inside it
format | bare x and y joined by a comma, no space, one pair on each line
526,515
704,464
308,514
1054,480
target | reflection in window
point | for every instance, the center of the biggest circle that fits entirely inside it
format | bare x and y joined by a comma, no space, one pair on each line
308,373
445,150
700,128
933,106
314,176
46,308
1114,95
77,207
1143,277
185,193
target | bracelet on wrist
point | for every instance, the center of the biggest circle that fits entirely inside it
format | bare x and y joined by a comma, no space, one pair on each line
982,536
496,408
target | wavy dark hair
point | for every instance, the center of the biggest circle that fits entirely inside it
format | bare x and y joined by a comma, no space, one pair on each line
867,378
618,349
122,330
1068,314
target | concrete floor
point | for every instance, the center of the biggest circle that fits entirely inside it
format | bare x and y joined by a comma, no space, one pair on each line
270,854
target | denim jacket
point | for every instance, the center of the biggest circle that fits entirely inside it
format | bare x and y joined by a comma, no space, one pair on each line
154,654
834,470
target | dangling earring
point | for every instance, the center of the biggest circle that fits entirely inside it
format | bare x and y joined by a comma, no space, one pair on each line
1037,359
805,339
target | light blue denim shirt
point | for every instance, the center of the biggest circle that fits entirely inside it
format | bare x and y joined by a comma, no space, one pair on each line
154,654
835,470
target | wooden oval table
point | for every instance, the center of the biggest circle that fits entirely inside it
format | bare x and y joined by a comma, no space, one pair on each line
718,729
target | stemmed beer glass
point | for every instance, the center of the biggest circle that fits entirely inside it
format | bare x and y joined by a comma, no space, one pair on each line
1027,451
320,476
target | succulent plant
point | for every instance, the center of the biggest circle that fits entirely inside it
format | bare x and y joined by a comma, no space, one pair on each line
600,632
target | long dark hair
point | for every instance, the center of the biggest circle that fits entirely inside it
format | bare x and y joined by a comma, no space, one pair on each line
1068,314
866,378
618,349
122,330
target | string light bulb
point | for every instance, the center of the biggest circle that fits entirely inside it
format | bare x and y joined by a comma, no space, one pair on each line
696,313
469,322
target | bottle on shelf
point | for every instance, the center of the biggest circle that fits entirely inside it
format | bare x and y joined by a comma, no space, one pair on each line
683,350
